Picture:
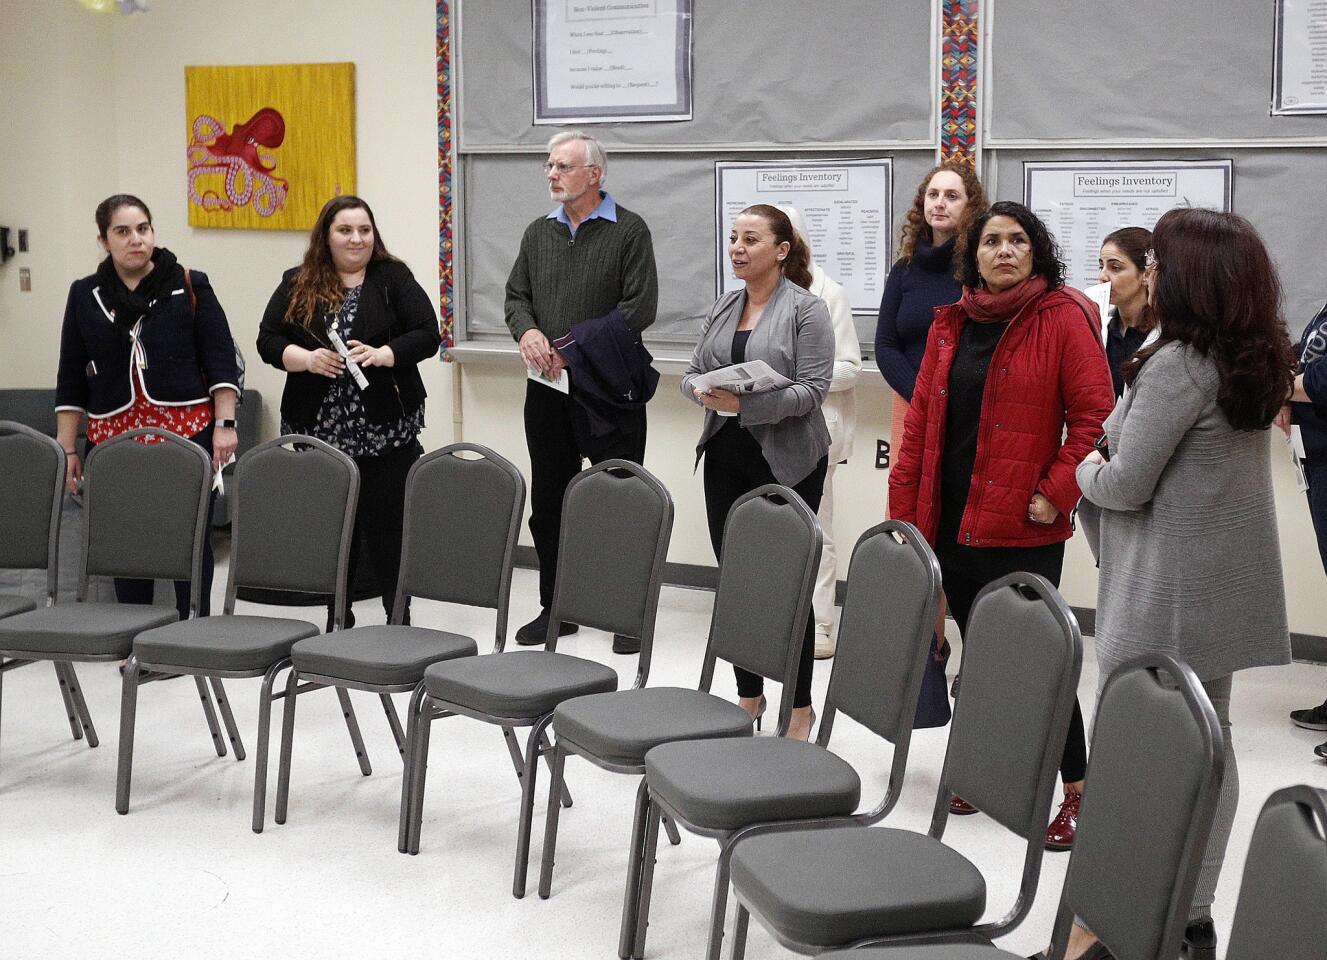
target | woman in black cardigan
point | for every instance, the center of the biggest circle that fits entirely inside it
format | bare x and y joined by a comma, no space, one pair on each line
350,326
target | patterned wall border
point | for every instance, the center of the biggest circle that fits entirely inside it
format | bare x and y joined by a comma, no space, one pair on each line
958,81
446,242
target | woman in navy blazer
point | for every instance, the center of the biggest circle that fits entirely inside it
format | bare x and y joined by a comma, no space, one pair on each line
145,344
352,308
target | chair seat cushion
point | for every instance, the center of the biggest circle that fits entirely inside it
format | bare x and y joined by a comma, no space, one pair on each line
729,784
12,605
625,725
833,886
519,685
82,629
239,643
381,655
939,951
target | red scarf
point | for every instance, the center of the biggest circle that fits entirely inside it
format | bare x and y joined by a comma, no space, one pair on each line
983,306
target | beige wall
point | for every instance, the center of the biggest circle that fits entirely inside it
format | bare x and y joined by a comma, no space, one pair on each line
94,105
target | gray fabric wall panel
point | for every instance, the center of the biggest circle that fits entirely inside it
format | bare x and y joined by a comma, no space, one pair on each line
1271,188
1136,69
674,192
784,72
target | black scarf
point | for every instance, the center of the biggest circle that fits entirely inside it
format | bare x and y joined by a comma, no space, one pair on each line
130,306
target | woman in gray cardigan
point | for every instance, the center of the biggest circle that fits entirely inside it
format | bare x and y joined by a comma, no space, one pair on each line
1190,561
778,436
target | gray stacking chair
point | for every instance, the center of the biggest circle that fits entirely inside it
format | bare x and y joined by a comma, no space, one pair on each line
718,787
771,552
816,887
616,522
32,474
1282,908
462,519
145,510
293,518
1148,803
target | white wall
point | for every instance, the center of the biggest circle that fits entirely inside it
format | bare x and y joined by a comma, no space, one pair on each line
95,105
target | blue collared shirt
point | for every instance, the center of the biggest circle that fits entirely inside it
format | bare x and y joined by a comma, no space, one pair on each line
607,210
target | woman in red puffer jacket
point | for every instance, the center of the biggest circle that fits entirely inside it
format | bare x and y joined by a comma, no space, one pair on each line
1011,396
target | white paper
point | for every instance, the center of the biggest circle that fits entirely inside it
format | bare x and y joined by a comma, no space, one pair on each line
1299,82
560,383
598,61
340,346
754,376
1295,445
1099,293
1082,202
847,208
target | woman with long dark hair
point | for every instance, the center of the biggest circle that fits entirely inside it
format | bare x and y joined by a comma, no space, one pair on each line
1010,397
350,325
1190,560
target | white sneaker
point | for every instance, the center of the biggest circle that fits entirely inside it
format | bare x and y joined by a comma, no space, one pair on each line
825,646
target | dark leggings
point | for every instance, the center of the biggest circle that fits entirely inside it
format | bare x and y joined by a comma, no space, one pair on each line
966,570
734,466
141,591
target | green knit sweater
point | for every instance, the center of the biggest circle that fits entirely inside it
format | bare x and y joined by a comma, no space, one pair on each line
558,280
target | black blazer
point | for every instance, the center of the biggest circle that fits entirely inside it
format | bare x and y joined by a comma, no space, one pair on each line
188,352
393,310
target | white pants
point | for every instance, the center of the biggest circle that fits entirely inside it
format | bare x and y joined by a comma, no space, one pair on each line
823,600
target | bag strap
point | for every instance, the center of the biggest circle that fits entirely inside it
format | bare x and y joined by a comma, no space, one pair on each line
189,285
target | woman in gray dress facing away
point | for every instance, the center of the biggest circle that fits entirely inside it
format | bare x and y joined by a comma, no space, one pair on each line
1190,560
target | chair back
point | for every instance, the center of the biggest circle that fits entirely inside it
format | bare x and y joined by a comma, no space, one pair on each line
771,552
463,507
1282,908
32,474
1022,654
293,519
145,509
617,519
1152,786
885,627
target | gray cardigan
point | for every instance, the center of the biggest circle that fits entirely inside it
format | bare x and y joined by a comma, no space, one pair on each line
796,338
1190,559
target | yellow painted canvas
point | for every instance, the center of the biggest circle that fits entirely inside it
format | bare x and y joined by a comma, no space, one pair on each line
268,145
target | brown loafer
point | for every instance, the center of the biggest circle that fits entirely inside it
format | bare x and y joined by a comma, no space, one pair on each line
960,807
1060,833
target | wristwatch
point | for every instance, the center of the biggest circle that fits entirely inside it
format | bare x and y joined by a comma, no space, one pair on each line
225,422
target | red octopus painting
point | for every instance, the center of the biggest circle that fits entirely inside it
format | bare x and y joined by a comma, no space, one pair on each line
234,155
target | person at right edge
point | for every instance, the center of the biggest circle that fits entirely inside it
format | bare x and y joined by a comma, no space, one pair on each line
1190,557
1308,411
1012,391
587,259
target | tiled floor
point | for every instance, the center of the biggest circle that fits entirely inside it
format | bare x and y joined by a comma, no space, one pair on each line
183,875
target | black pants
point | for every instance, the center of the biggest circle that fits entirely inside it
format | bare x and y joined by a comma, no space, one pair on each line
140,591
555,457
966,570
734,466
380,520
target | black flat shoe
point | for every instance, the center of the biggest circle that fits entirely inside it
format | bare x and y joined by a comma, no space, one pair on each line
1199,941
533,633
625,644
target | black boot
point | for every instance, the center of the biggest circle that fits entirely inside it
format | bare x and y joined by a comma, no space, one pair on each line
1199,940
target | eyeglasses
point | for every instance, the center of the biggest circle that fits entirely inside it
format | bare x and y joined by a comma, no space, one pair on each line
562,168
1150,259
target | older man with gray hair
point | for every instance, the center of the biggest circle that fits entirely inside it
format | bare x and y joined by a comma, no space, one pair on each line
586,259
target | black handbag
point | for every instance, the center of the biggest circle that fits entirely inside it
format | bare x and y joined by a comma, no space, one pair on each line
933,700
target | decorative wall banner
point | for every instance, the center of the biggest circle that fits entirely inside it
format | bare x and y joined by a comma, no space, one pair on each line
958,81
847,208
446,310
1081,202
600,61
1299,78
268,145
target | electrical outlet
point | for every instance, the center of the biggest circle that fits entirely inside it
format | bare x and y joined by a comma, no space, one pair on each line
25,280
23,241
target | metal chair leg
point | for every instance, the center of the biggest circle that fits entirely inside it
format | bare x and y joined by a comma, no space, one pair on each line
547,747
394,722
648,860
557,764
75,726
532,751
631,899
421,764
674,838
264,731
740,922
287,745
80,705
228,718
211,716
352,725
128,714
719,905
411,744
